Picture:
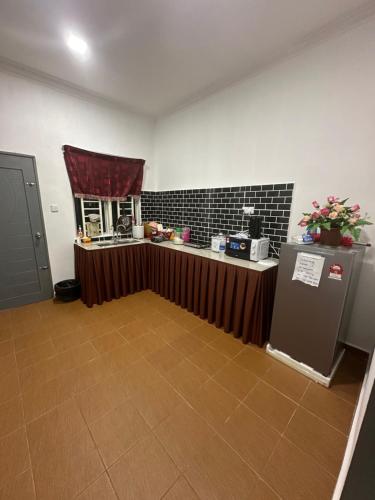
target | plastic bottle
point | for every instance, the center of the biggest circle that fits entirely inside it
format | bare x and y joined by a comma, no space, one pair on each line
79,233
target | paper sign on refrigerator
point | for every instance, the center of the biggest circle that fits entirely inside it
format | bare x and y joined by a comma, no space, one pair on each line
308,268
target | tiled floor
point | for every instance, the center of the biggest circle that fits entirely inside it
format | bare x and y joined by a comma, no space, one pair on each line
138,399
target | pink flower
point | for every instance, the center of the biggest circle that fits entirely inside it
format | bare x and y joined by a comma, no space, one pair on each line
315,215
315,204
332,199
302,223
333,215
353,220
355,208
324,212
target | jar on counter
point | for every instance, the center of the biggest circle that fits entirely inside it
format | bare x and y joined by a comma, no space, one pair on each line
178,232
186,234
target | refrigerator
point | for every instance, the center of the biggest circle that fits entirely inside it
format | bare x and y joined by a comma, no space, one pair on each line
314,296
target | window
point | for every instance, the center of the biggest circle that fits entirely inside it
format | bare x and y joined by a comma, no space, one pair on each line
98,218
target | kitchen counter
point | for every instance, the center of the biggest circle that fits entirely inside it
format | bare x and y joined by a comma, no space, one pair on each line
201,252
233,294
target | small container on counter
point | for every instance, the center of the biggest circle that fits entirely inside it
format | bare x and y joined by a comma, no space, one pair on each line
186,234
218,243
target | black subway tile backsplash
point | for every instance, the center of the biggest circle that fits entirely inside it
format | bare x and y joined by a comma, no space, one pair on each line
210,211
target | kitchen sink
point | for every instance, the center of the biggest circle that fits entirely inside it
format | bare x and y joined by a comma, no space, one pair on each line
112,243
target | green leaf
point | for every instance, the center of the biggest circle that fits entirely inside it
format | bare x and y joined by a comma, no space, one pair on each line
326,225
363,222
356,231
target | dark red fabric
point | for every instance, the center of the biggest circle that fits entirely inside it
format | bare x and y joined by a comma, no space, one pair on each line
103,177
233,298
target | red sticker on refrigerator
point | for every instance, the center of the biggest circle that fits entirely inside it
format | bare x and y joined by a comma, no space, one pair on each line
335,272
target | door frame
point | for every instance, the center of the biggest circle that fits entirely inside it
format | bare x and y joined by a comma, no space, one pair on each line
48,263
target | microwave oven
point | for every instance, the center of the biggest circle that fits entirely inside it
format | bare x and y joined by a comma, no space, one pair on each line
247,248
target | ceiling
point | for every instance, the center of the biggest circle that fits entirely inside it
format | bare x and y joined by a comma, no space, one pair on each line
153,56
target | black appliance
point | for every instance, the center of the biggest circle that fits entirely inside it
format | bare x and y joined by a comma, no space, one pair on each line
255,227
238,247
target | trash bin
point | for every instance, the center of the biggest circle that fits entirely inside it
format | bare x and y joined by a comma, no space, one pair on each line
68,290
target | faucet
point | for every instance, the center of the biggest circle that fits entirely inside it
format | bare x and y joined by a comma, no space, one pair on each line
116,233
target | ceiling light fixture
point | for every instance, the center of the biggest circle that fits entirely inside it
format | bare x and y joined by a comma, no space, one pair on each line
77,45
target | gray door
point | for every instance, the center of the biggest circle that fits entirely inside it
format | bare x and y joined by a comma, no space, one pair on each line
24,265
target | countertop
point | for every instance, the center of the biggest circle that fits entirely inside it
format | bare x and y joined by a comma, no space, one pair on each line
205,252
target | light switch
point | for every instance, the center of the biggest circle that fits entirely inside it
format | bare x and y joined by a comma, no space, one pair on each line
54,208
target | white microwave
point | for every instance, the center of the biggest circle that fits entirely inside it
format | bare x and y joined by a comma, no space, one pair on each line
247,248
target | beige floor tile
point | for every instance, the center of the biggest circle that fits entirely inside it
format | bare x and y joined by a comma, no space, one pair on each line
32,339
122,357
271,405
135,328
145,472
92,373
187,344
117,431
164,359
11,416
187,378
101,489
250,436
56,428
218,473
5,333
34,355
156,402
137,376
68,470
40,399
33,376
72,339
101,398
108,342
318,439
6,347
8,363
184,434
228,345
236,379
255,361
262,491
329,407
19,488
208,360
170,331
14,456
205,332
295,475
181,490
147,344
214,404
78,356
9,385
286,380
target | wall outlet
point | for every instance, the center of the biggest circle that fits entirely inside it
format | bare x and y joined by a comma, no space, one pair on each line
54,208
248,210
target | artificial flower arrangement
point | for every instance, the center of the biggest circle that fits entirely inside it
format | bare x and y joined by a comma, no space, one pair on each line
335,214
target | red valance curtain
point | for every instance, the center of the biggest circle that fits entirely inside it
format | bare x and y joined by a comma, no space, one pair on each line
103,177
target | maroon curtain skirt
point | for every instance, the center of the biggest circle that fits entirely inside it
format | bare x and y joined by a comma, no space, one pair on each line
236,299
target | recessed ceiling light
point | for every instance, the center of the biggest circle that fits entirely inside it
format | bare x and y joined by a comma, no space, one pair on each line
77,45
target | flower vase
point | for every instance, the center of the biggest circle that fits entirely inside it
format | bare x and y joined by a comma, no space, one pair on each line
331,237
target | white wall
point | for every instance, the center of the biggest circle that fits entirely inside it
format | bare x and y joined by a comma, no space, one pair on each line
37,120
310,119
